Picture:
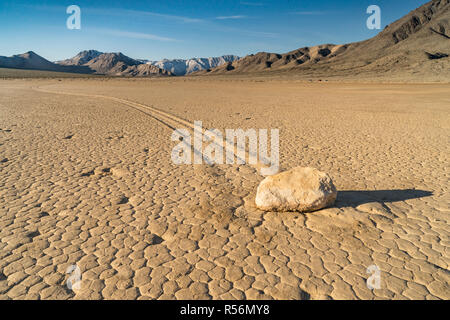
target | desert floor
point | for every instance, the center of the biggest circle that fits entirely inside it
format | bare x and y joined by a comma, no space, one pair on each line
86,179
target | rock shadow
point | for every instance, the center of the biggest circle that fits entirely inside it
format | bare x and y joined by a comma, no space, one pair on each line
353,198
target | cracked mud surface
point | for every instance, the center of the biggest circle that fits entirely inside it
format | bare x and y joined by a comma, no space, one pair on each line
89,181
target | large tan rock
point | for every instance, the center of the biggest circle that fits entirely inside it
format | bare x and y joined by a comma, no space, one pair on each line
299,189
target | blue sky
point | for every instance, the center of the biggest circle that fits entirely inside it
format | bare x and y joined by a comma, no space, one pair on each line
187,28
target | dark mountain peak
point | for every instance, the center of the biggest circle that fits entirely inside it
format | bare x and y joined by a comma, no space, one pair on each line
91,51
33,57
81,58
29,55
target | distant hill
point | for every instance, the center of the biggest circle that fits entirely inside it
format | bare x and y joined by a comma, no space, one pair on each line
32,61
86,62
182,67
417,44
143,70
111,63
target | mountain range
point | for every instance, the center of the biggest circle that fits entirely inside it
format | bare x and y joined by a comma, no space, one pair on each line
87,62
109,63
32,61
417,45
114,64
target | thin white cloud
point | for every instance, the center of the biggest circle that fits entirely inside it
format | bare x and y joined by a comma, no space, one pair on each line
162,15
308,13
230,17
136,13
117,12
133,35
